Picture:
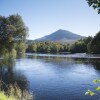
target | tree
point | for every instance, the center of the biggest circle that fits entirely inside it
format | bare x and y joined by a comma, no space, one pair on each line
17,22
80,46
95,4
94,45
12,32
47,47
21,32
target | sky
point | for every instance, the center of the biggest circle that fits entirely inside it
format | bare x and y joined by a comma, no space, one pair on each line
44,17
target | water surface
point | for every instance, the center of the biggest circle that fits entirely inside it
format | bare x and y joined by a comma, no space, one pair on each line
54,77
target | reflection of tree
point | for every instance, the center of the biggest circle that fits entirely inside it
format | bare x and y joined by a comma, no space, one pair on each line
93,61
68,60
9,76
96,63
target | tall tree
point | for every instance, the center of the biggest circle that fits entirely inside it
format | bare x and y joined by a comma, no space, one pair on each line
12,32
94,45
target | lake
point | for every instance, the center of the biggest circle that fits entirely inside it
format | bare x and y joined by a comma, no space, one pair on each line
54,76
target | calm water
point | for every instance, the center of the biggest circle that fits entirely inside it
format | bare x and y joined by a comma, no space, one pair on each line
54,77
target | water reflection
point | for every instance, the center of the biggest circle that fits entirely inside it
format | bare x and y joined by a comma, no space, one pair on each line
10,76
52,77
95,62
62,78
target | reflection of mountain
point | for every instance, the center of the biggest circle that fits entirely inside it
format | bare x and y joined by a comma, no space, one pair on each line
9,76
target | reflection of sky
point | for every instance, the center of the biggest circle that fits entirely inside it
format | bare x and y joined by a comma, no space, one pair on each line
58,77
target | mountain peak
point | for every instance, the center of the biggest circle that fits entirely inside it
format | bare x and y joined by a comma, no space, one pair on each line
60,30
61,36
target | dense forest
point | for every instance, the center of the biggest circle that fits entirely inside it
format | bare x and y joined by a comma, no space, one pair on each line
79,46
47,47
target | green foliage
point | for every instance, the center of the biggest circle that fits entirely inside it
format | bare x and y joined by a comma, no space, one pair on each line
47,47
95,4
91,93
98,88
12,30
55,47
4,97
80,46
96,81
13,92
94,45
20,47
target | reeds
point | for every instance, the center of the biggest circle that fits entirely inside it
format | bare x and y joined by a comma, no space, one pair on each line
14,92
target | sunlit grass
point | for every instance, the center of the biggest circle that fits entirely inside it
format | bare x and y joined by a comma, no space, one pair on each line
14,93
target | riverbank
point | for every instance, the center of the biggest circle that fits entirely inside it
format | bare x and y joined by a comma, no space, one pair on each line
76,55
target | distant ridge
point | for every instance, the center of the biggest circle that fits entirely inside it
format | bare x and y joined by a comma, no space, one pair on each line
61,36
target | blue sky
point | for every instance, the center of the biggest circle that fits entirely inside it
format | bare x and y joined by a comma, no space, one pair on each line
46,16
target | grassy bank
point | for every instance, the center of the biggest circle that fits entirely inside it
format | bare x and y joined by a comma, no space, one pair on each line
13,92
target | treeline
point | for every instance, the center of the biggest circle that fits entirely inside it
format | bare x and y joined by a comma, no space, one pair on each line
86,45
81,46
47,47
55,47
94,45
13,34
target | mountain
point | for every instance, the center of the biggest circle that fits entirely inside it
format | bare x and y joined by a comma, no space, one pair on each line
61,36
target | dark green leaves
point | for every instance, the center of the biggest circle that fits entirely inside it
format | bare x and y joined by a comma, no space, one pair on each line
12,27
94,45
95,4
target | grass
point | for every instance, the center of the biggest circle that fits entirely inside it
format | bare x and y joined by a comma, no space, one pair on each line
14,93
5,97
